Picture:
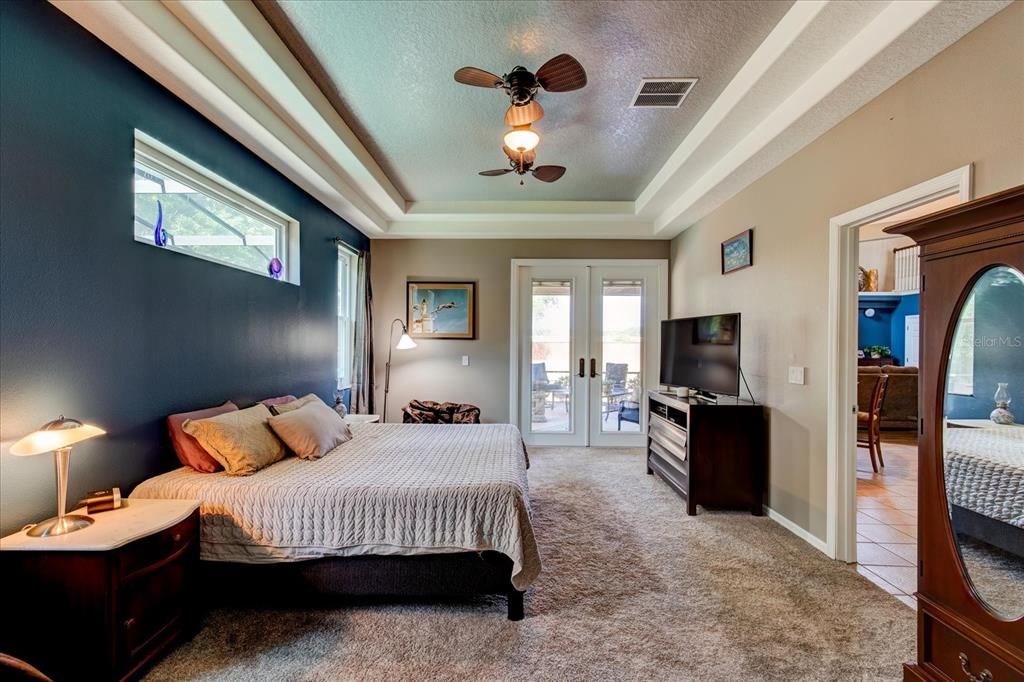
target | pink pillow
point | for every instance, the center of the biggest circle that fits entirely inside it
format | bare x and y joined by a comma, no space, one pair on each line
278,401
189,451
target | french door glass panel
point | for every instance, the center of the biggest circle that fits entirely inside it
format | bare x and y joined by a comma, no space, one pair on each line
621,341
551,386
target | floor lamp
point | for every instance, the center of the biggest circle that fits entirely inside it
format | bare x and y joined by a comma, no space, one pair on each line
404,343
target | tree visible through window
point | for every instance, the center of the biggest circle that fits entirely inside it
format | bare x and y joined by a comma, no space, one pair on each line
961,356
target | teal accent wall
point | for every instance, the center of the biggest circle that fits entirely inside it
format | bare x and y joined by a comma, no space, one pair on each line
96,326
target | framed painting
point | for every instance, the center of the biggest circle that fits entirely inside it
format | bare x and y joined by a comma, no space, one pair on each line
441,310
738,252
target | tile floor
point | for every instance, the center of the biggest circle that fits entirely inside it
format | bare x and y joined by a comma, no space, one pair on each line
887,516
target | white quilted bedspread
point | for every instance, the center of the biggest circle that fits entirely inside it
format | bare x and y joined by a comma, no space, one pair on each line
985,471
393,489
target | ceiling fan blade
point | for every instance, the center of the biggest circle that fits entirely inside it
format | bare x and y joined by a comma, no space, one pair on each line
470,75
528,157
562,74
524,115
548,173
495,173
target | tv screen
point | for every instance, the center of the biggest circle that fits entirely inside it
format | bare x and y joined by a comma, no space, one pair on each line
702,353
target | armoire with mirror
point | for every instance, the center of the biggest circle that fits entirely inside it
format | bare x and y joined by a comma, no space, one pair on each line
971,448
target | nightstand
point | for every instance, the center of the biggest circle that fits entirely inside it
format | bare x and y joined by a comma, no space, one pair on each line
103,602
362,418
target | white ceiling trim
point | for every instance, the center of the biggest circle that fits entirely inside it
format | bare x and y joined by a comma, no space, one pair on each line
224,60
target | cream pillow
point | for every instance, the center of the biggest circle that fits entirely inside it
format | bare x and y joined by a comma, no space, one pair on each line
296,404
241,441
311,431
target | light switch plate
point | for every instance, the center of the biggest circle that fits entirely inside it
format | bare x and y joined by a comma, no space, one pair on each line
465,361
796,375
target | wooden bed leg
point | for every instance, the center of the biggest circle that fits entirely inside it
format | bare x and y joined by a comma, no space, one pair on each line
515,604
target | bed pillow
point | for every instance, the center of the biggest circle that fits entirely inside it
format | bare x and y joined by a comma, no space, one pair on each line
189,451
311,431
296,404
270,402
241,441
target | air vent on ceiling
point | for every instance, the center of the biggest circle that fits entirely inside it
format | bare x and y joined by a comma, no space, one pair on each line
662,93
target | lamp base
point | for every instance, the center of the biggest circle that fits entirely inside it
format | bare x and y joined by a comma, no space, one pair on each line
69,524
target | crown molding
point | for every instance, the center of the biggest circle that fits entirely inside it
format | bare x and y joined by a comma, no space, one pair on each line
821,62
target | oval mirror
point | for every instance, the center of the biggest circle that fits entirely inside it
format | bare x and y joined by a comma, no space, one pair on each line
983,438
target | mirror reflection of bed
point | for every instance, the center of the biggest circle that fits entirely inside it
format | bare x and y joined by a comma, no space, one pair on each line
983,458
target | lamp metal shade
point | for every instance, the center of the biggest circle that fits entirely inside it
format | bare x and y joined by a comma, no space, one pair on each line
405,343
60,433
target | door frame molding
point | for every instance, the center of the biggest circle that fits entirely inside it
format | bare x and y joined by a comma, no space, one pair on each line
841,476
514,321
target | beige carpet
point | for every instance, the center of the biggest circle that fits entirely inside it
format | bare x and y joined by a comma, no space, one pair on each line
632,589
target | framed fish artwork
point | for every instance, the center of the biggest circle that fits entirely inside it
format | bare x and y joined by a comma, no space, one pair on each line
738,252
441,310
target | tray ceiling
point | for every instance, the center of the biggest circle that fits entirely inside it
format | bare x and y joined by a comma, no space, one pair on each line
389,67
355,101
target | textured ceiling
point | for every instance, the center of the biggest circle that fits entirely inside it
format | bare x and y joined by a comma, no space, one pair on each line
387,67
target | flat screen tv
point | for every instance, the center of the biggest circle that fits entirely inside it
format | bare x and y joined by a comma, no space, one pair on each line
702,353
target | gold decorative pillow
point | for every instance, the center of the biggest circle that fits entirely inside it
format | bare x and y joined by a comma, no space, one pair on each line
241,441
311,431
296,404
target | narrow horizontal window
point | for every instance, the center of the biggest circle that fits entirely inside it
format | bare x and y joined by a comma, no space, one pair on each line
180,206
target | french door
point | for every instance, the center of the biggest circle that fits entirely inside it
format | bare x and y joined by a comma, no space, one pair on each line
585,340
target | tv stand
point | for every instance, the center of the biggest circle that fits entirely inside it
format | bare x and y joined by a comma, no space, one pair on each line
711,454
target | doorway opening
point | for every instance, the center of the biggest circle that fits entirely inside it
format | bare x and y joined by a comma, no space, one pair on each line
582,335
863,325
888,317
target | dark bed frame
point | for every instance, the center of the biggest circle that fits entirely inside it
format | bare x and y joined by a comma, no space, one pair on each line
989,530
461,574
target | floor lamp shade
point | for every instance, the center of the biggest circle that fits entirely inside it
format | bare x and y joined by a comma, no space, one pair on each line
57,437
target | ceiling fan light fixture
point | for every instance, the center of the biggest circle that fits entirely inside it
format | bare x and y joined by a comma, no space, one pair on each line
522,138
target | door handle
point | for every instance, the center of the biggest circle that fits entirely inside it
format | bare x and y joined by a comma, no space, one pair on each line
593,368
582,371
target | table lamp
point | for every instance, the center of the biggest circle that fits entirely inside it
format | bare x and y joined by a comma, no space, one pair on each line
57,437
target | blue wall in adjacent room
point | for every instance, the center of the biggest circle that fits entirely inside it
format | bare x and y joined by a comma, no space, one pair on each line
888,326
96,326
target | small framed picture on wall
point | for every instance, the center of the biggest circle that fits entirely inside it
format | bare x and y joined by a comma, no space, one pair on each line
441,310
738,252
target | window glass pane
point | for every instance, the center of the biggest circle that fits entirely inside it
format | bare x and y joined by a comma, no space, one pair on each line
961,360
621,350
194,222
346,316
551,348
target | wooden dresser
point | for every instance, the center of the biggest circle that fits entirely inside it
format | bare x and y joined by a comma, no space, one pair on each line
711,454
104,602
970,624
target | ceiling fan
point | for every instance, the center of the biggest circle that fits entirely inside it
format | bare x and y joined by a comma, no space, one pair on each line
559,74
521,163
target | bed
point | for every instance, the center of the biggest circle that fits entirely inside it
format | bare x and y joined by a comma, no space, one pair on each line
416,509
984,470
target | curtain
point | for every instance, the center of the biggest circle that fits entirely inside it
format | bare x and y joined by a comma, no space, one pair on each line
362,346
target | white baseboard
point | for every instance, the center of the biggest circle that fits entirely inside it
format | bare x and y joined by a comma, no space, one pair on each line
802,533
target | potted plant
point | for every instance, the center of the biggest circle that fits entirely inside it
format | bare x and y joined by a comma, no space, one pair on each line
877,352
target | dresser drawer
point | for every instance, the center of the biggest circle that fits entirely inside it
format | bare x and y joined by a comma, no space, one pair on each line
146,553
959,658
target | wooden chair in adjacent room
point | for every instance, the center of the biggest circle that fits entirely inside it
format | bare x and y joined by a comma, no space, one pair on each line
870,422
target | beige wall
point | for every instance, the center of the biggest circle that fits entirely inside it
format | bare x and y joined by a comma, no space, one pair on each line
966,105
433,371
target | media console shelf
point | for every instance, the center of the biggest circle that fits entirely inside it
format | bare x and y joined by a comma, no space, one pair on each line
711,454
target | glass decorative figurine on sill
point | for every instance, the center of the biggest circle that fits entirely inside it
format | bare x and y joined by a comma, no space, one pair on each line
1002,415
159,233
275,267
